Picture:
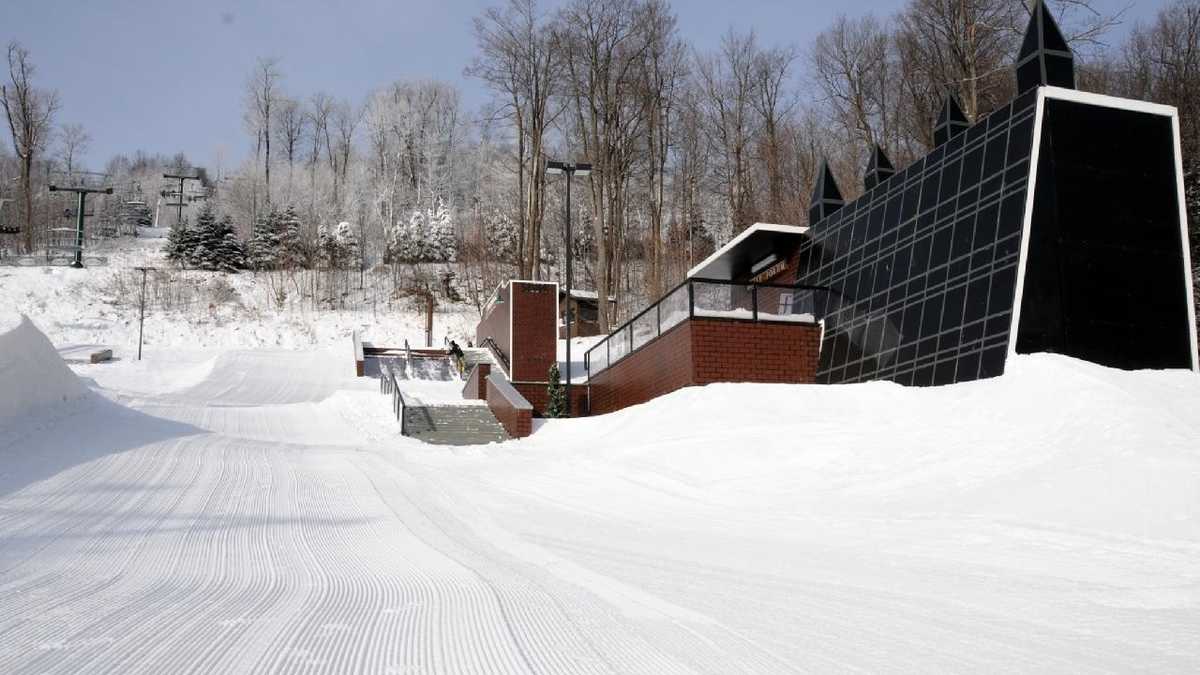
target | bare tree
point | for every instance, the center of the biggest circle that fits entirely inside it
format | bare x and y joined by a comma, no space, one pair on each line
73,141
727,79
605,44
519,64
262,92
290,127
773,103
664,71
30,113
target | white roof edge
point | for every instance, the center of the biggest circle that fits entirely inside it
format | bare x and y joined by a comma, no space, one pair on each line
756,227
1105,100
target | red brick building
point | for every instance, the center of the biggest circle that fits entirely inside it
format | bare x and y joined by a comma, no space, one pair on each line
738,317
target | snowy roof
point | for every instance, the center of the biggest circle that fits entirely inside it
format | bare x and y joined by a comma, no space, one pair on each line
753,244
584,295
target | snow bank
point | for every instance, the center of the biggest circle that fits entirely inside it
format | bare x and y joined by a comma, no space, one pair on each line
1056,440
32,374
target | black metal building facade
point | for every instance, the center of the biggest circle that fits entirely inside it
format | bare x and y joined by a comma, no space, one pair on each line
1053,224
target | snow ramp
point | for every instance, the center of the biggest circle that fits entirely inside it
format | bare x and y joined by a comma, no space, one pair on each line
32,374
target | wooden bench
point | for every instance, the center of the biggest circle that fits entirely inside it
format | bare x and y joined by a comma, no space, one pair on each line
101,356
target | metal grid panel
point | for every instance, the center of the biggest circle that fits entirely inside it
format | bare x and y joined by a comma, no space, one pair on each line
923,266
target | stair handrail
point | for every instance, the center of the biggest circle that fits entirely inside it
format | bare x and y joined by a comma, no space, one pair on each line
498,353
389,385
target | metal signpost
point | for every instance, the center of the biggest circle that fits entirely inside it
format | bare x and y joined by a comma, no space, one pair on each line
142,307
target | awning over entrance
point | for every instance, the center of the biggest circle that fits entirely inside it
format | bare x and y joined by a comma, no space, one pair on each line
752,247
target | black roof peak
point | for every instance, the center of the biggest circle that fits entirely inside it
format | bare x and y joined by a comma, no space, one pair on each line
1045,57
826,197
951,121
879,168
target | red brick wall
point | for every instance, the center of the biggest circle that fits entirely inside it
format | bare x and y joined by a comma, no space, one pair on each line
535,330
746,351
705,350
476,386
537,395
658,368
517,420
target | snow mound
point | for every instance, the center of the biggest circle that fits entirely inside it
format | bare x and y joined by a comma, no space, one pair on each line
32,374
1055,440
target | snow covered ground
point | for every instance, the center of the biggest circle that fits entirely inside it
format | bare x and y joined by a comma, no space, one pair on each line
98,306
255,510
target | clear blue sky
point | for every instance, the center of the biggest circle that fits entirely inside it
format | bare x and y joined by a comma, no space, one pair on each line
167,76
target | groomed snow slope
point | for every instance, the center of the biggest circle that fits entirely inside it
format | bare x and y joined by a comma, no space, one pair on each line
32,374
267,518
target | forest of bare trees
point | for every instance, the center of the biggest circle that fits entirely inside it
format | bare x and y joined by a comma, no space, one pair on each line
690,144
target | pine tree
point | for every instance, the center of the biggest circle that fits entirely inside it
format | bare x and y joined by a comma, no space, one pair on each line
348,243
262,252
226,251
556,393
443,240
291,247
177,249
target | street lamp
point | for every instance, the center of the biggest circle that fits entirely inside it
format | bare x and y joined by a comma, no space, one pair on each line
570,169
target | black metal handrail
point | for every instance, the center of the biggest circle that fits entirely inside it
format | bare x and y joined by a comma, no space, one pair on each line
389,385
498,353
678,301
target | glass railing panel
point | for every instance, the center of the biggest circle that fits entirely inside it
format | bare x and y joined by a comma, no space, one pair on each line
673,309
780,303
728,301
618,345
645,328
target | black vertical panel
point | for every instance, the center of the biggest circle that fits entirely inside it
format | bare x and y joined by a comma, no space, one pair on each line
916,261
1105,276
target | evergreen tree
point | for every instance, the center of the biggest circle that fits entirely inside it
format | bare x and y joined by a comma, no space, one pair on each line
441,237
557,394
348,243
177,247
200,251
329,249
225,251
291,247
262,252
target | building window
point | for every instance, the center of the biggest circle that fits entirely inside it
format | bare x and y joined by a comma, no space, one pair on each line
785,303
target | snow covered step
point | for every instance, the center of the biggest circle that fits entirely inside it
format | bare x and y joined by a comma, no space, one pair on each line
453,425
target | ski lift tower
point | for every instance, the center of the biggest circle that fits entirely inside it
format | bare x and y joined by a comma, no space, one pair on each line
81,196
171,193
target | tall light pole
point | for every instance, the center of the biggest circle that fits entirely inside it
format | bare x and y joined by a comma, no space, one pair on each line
82,193
570,169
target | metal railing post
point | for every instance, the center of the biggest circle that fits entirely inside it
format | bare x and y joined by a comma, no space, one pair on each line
754,302
691,300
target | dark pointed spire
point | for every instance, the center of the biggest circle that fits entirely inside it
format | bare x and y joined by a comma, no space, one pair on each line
950,121
879,169
1045,58
826,197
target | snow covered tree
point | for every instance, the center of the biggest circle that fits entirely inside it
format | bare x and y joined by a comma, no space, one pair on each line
556,393
291,246
348,241
442,240
212,245
262,252
178,246
225,250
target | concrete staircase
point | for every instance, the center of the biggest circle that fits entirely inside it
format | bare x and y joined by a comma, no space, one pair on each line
453,424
